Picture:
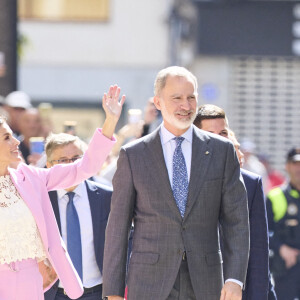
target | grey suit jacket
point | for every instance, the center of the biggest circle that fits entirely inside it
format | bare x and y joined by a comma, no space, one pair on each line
142,192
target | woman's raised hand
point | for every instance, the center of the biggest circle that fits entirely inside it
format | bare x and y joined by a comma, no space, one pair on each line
111,104
113,108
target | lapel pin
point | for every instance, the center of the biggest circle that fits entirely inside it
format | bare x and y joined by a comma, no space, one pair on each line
207,152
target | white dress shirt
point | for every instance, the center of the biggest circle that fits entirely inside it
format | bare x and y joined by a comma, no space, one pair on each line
90,269
168,146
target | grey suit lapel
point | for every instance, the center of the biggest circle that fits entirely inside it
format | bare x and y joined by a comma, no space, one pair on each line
201,156
155,163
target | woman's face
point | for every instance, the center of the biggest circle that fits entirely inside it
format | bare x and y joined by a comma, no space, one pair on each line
9,146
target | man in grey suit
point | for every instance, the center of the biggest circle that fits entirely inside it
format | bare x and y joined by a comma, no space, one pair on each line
177,185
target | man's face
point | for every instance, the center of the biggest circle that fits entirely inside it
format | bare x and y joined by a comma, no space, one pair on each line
64,154
15,114
293,169
177,103
216,126
30,124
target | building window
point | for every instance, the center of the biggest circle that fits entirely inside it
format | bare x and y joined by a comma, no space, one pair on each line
64,10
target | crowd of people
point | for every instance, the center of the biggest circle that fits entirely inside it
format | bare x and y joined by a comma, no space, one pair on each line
171,206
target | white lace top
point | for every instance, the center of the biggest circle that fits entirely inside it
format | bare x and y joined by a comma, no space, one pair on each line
19,235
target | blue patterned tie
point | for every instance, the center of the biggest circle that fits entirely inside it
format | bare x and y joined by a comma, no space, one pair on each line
73,235
180,177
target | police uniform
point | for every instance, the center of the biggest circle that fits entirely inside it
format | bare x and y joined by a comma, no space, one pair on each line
283,208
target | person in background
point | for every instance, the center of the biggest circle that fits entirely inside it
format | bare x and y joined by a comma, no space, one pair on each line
29,237
3,111
92,205
283,206
212,118
30,126
251,161
152,117
127,133
274,177
70,127
176,185
271,290
15,104
1,100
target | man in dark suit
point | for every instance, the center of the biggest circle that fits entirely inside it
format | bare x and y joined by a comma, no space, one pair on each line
177,184
89,202
258,285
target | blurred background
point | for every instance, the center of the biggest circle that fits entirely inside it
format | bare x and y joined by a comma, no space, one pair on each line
65,53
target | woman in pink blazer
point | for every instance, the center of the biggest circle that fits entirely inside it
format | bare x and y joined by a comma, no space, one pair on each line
30,243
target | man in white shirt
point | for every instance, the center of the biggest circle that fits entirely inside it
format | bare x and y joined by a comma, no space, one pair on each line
89,204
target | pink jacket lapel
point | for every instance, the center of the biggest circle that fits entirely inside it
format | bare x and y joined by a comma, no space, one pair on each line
26,192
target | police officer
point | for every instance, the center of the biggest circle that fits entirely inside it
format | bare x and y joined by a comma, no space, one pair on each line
283,207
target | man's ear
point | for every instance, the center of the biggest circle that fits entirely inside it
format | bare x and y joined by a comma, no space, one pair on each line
156,101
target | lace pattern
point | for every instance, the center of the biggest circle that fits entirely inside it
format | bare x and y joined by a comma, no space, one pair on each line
19,235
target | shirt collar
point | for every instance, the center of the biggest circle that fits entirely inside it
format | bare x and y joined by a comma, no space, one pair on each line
78,191
166,135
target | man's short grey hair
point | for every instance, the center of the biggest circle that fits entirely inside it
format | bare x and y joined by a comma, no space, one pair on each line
161,78
58,140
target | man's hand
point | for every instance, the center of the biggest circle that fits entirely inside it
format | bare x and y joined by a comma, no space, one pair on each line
115,298
289,255
231,291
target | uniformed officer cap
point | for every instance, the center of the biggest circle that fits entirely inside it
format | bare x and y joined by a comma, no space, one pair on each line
293,154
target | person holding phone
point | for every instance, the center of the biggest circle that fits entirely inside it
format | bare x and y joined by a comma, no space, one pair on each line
30,126
29,237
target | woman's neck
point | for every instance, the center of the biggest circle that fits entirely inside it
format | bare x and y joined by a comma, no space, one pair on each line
3,170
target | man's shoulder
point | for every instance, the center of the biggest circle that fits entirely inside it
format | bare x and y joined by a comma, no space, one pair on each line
154,137
252,182
96,186
214,140
250,175
140,143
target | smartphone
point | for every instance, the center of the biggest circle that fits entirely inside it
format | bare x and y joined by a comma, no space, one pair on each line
70,127
134,115
36,145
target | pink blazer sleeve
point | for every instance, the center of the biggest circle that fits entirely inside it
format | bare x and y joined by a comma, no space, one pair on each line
66,175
